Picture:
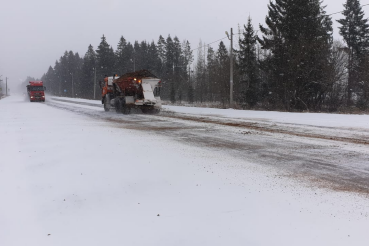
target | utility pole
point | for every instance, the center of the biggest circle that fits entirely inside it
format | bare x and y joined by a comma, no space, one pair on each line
6,86
231,70
95,84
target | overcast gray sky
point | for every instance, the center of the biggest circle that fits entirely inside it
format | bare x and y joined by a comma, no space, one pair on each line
34,33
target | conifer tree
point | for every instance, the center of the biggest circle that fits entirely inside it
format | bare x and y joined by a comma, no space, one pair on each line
169,67
223,72
178,68
105,58
144,56
199,74
169,55
154,62
212,70
355,32
186,63
65,75
122,56
161,47
137,58
58,79
187,53
49,80
248,66
298,37
76,70
130,58
88,74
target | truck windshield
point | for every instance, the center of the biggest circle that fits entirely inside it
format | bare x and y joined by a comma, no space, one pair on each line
35,88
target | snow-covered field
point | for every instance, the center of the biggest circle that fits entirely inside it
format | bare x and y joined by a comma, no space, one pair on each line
67,178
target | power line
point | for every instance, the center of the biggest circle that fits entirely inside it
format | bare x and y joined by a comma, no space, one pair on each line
209,44
344,11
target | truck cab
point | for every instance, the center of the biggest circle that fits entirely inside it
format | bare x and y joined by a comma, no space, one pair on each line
107,86
36,91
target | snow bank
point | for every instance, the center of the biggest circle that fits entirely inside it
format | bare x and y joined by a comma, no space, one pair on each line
311,119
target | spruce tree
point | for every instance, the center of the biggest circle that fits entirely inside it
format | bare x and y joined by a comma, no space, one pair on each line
88,74
212,70
169,66
298,37
65,75
137,58
77,75
144,56
178,67
121,56
355,32
49,81
247,62
199,74
153,60
129,58
58,80
161,46
223,72
186,63
169,55
105,58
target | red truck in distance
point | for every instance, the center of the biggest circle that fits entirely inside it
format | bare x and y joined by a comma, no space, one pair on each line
36,91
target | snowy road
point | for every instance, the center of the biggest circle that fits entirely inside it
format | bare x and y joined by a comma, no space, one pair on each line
335,157
72,174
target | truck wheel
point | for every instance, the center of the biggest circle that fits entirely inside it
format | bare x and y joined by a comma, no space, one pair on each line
156,111
123,107
107,103
118,106
126,110
150,111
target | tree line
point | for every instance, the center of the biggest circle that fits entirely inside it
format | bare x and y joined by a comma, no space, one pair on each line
291,63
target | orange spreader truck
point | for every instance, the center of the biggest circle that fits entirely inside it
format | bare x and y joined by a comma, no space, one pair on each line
36,91
139,90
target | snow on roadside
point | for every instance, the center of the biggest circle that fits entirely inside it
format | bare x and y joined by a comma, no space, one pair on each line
311,119
89,182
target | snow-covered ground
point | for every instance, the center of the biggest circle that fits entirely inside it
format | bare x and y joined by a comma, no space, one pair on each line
67,178
312,119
